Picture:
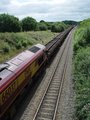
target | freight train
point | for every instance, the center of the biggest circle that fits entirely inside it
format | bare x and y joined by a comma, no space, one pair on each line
18,72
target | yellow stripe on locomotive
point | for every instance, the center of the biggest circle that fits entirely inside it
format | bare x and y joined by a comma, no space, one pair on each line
8,92
30,71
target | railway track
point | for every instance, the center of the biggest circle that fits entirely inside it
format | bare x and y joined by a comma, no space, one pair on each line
47,108
45,102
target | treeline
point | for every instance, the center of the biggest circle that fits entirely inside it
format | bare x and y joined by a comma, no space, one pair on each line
9,23
70,22
82,70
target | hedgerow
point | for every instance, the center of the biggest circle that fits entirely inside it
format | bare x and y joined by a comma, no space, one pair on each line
82,70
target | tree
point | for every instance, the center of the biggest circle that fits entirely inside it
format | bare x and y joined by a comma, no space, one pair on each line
49,25
42,21
57,27
29,24
9,23
42,26
70,22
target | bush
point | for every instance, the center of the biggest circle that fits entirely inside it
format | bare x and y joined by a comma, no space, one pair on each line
42,26
82,82
48,25
18,45
6,48
85,23
81,38
82,70
82,60
24,43
57,27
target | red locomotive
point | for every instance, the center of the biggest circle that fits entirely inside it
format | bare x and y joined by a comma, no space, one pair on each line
16,73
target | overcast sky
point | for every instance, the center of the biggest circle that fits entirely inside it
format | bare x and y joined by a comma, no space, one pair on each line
48,10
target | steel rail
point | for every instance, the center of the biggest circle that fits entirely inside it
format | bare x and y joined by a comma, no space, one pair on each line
62,82
49,85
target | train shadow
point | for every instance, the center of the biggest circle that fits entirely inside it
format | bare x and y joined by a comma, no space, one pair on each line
27,95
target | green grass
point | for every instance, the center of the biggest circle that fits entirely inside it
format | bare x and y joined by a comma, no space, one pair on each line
81,61
13,43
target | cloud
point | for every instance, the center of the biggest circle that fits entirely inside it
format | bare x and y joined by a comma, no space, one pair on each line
5,2
49,10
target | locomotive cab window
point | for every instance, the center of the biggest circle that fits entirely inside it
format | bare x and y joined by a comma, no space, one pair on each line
34,49
40,60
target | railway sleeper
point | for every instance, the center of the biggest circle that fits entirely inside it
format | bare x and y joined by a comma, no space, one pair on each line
50,102
53,89
47,105
50,97
45,115
46,110
51,94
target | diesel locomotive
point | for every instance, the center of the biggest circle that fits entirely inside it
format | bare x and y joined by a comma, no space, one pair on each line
16,73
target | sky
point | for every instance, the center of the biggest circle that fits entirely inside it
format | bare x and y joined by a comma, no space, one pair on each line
47,10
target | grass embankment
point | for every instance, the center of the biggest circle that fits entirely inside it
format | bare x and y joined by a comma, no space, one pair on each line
13,43
82,70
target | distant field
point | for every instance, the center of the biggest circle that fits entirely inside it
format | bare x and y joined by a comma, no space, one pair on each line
13,43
